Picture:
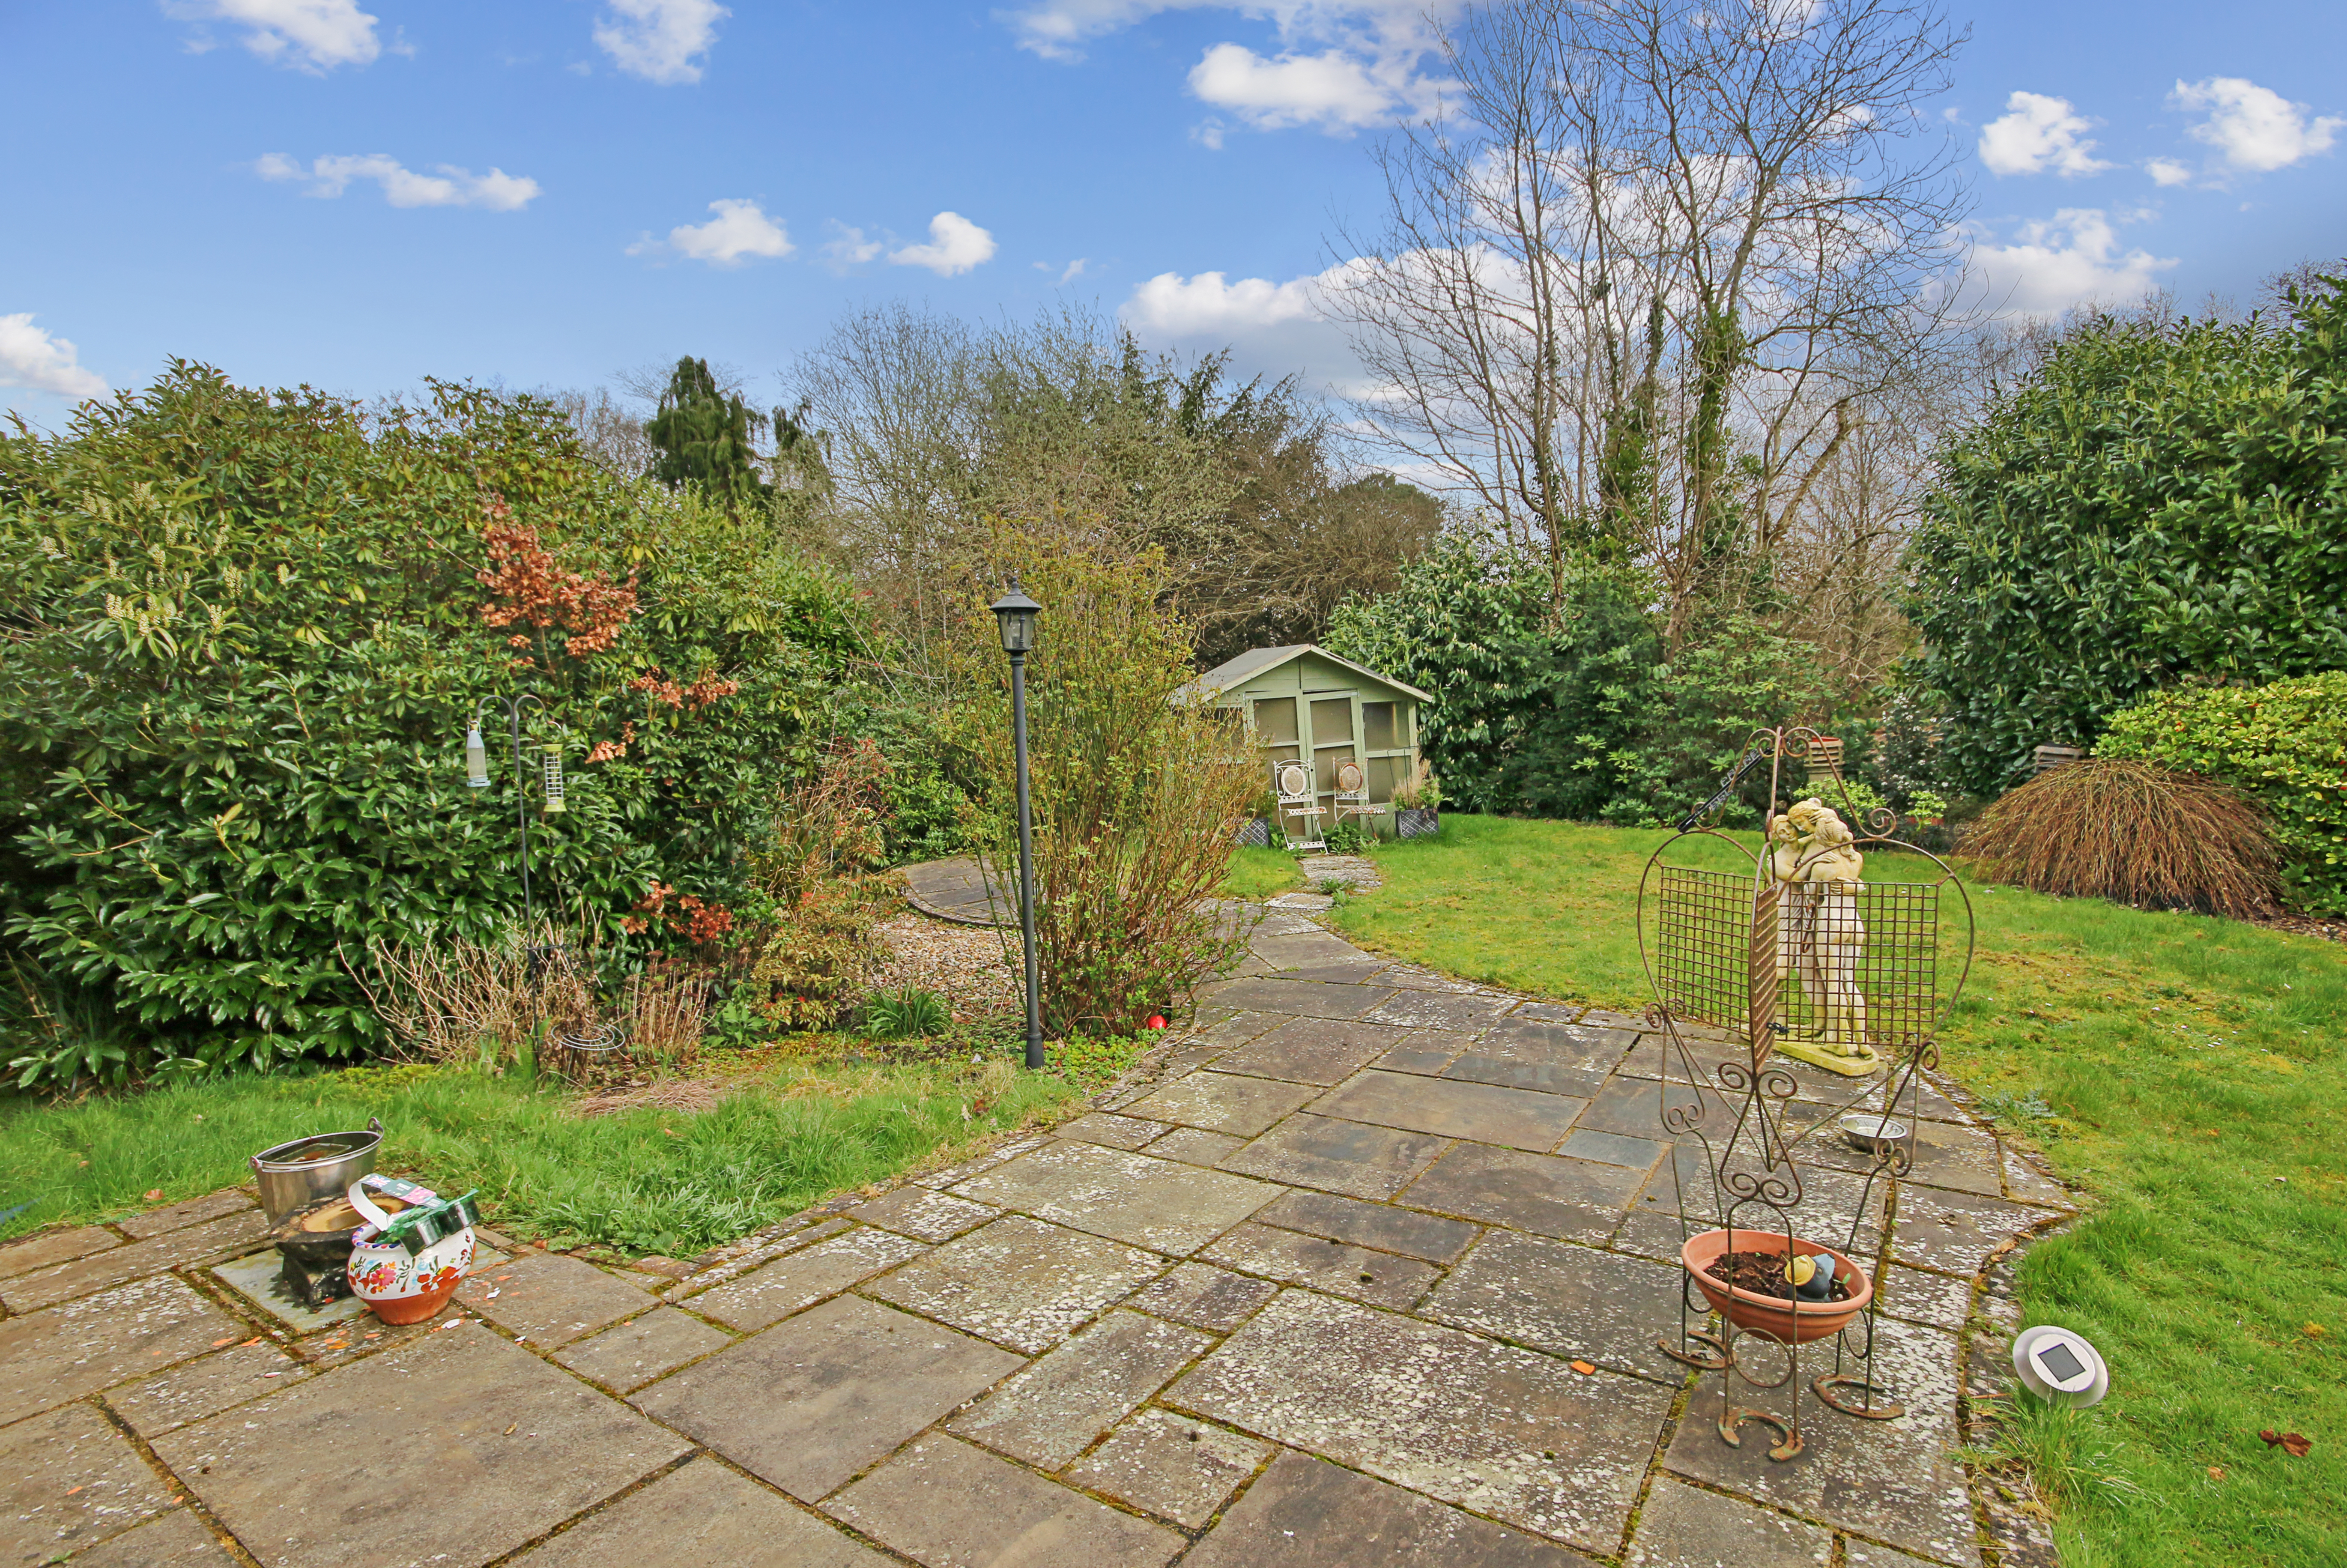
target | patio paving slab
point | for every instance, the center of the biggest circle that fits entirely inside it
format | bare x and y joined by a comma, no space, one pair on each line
1484,1113
1305,1512
1313,1051
1306,998
260,1278
1020,1282
1440,1009
1172,1466
625,1358
103,1270
946,1504
549,1299
1053,1410
1551,1195
1426,1050
1196,1146
1205,1297
67,1481
1534,1038
1113,1132
66,1352
177,1540
1426,1237
1238,1028
332,1472
50,1248
178,1216
1572,1300
771,1293
1162,1204
204,1387
1894,1481
1349,1157
1683,1526
1439,1410
810,1402
917,1211
1225,1102
1378,1278
1955,1231
702,1513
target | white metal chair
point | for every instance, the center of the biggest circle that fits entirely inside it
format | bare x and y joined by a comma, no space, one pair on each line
1352,793
1297,799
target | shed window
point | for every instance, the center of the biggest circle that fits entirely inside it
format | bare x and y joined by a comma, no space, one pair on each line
1378,730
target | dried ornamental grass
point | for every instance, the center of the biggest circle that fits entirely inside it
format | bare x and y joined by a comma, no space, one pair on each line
2110,827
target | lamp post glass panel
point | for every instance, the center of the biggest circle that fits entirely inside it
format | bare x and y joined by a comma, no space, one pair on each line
1015,615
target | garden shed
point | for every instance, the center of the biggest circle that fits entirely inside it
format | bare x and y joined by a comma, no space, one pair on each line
1307,704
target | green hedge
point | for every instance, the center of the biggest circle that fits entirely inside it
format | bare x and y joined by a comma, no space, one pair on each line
2148,505
245,635
2285,746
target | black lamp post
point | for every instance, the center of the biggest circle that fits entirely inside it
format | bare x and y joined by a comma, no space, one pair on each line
1015,613
476,775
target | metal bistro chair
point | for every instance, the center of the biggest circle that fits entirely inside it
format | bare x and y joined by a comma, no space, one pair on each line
1299,799
1352,795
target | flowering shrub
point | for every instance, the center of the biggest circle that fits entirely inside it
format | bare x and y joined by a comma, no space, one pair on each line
245,636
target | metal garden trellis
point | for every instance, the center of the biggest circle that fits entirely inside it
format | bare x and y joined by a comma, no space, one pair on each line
1793,953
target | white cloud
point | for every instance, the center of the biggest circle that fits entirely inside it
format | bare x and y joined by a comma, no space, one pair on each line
2039,133
955,245
2254,127
2053,265
657,39
1270,328
313,36
850,247
740,230
1075,269
2167,171
401,187
1342,65
1332,89
39,361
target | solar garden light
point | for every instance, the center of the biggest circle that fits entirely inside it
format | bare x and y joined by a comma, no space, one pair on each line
476,775
1014,615
2060,1367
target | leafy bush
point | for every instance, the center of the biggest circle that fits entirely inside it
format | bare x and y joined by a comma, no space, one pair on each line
811,941
2150,504
2106,827
2283,745
245,634
1346,837
1569,709
1137,794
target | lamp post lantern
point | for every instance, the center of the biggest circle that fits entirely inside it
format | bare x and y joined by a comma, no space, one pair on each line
476,775
1015,614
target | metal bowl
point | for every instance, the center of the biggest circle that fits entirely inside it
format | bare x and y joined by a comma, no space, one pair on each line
302,1171
1873,1133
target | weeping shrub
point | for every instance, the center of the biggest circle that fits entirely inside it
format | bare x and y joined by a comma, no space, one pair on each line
2115,828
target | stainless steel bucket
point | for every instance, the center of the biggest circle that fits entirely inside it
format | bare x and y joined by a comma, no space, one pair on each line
303,1170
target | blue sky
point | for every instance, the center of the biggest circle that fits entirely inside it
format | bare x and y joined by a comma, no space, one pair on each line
361,193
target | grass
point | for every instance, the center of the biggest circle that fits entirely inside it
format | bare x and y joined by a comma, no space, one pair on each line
1260,873
648,1180
2186,1072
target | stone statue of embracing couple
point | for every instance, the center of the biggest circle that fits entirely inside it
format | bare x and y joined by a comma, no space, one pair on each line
1814,858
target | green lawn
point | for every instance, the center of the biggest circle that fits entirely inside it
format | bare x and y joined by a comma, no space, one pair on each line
2186,1074
1260,873
641,1181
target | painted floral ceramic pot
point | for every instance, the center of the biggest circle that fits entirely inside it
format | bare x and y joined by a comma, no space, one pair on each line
398,1287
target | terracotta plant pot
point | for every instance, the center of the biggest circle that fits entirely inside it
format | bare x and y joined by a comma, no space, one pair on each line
1799,1322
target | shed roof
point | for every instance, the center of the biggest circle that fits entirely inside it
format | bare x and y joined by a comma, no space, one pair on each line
1257,661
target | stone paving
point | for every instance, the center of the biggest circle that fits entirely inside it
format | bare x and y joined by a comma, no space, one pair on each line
1366,1271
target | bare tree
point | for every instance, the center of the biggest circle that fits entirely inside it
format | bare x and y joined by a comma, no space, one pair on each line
1638,289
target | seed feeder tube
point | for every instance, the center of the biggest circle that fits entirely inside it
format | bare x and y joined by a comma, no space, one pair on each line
554,807
476,759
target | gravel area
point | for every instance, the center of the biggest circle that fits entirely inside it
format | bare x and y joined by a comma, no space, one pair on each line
966,965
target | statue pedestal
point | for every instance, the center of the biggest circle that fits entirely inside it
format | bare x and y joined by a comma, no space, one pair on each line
1819,1054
